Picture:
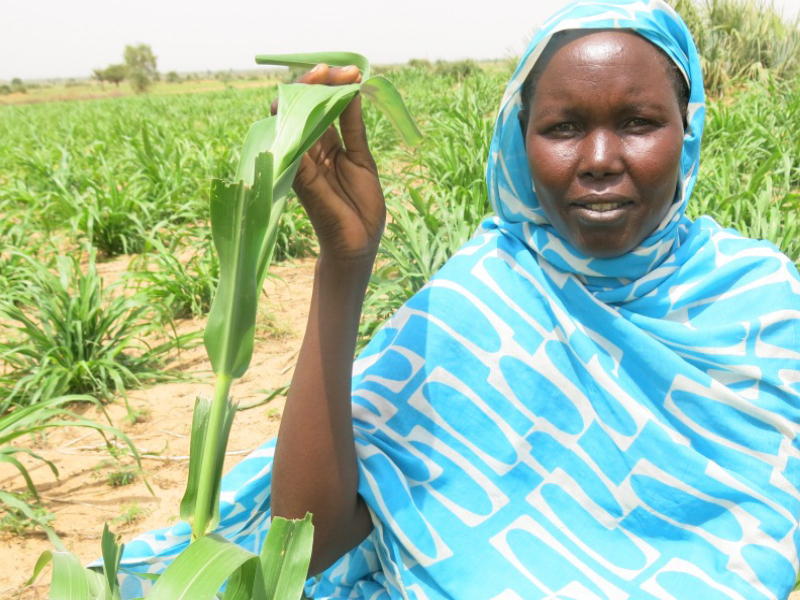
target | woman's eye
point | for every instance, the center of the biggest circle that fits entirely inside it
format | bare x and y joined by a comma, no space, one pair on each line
563,129
639,123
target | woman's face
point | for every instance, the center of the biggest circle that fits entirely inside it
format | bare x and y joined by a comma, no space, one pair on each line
604,141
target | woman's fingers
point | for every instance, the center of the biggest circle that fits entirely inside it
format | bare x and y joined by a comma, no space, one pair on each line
326,145
318,74
328,75
354,131
343,75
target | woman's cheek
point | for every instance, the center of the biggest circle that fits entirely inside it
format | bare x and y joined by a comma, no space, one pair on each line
551,165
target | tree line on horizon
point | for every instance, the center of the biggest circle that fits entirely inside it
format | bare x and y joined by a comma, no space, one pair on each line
139,68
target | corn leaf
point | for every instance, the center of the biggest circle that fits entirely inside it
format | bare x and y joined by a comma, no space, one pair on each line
199,571
202,409
259,139
285,557
304,113
246,583
201,436
112,554
385,96
70,580
239,219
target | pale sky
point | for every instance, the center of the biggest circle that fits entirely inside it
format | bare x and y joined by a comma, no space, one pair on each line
68,38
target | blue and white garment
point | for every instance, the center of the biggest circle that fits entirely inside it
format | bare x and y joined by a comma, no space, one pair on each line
536,423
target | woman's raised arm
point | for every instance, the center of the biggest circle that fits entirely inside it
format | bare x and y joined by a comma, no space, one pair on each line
315,467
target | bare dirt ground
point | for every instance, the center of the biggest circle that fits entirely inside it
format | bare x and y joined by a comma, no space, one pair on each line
82,498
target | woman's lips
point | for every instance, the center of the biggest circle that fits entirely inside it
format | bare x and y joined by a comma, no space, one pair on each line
601,212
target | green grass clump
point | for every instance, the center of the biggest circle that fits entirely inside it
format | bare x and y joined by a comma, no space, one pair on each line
19,522
180,288
750,164
131,513
741,40
69,334
121,477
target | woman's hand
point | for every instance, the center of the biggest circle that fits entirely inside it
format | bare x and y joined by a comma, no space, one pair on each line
337,180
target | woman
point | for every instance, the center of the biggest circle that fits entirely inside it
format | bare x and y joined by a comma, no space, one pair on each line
594,398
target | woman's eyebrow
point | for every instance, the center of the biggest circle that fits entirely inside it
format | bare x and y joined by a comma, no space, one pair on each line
569,110
644,106
553,111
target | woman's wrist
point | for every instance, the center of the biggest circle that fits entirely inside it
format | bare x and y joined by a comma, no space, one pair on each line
351,269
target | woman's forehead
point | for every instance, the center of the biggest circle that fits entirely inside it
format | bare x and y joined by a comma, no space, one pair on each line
599,56
600,48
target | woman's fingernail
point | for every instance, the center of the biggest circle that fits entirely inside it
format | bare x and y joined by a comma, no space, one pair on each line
316,69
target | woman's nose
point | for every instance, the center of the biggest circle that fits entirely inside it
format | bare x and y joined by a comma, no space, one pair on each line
601,154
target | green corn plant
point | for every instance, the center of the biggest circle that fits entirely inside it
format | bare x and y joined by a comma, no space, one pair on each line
71,580
245,217
244,221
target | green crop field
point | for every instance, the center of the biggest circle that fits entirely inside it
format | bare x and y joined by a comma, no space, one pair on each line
83,182
131,176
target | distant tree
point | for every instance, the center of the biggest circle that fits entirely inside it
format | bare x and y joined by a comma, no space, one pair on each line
140,63
17,86
100,75
115,74
420,63
5,89
173,77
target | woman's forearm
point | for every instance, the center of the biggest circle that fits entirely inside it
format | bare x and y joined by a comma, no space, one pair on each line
315,467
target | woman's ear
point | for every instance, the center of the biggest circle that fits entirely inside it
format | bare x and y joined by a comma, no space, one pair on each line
522,115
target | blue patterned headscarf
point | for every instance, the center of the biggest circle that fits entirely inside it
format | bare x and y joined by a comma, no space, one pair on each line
535,423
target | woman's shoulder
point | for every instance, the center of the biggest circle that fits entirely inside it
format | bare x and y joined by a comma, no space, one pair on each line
729,245
732,260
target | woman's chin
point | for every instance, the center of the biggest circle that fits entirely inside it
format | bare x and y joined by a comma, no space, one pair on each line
604,248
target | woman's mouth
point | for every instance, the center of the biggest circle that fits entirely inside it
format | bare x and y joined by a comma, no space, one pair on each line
605,206
601,213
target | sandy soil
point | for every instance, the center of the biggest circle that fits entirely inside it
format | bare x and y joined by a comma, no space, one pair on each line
82,498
